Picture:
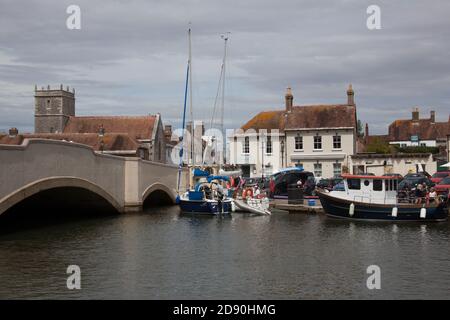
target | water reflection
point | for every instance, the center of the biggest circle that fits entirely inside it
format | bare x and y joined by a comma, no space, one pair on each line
164,254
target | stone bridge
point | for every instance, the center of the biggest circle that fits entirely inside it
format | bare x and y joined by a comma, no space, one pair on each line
51,166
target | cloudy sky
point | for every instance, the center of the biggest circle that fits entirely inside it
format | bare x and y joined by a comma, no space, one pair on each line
129,57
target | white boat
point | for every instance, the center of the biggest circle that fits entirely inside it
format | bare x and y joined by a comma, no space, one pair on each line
257,206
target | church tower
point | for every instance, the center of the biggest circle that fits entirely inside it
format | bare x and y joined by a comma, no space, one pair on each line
53,107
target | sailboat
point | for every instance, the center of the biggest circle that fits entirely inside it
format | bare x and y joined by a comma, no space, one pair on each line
208,195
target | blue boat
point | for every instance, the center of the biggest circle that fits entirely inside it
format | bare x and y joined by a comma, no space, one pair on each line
376,198
207,198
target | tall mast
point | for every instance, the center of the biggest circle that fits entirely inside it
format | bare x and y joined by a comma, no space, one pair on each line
191,112
225,38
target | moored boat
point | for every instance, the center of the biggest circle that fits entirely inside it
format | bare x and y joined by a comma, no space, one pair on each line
376,198
256,206
208,197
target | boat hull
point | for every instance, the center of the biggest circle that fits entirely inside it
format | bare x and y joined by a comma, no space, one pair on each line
340,208
205,207
247,208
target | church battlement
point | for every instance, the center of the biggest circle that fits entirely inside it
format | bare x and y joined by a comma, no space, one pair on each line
53,107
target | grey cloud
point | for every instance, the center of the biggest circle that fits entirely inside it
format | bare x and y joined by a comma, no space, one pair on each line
130,56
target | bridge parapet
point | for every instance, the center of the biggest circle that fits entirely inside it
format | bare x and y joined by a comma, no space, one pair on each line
40,164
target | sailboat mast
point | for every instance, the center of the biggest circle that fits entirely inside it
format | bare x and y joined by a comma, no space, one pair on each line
225,38
191,111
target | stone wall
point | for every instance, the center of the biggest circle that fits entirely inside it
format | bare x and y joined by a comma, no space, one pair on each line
48,163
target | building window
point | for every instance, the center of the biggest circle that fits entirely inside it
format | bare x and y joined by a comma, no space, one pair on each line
318,169
337,170
423,144
269,145
317,142
246,146
298,142
336,142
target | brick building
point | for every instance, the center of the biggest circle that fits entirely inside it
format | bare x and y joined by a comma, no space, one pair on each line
55,118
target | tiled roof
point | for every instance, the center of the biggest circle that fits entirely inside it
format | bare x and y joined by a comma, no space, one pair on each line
305,117
138,127
266,120
402,130
322,116
111,141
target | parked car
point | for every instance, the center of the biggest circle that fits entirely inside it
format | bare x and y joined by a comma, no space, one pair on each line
417,174
286,179
339,187
329,184
410,181
438,176
443,187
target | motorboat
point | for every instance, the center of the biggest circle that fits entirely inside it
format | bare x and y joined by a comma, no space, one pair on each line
365,197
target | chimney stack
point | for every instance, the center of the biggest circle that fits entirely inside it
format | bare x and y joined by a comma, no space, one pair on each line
350,95
415,114
433,116
289,98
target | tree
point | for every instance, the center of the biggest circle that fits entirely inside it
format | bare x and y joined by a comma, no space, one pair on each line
378,145
359,129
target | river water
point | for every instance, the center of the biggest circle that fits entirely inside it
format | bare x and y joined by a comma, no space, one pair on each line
161,254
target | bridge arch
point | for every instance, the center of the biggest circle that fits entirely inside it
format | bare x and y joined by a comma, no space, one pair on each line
45,184
158,191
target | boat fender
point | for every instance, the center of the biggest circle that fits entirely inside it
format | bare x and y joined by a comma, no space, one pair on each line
351,210
233,206
394,212
246,192
423,213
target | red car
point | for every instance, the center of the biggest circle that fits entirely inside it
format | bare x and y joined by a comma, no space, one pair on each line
443,186
438,176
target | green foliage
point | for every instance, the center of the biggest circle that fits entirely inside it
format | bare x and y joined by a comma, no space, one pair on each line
378,145
421,149
359,129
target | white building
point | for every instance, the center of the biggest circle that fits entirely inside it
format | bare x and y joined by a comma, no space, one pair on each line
319,137
402,163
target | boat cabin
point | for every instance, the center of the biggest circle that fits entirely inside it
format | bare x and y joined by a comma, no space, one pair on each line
369,189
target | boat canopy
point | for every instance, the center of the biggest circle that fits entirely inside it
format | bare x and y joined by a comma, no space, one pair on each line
211,178
200,173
